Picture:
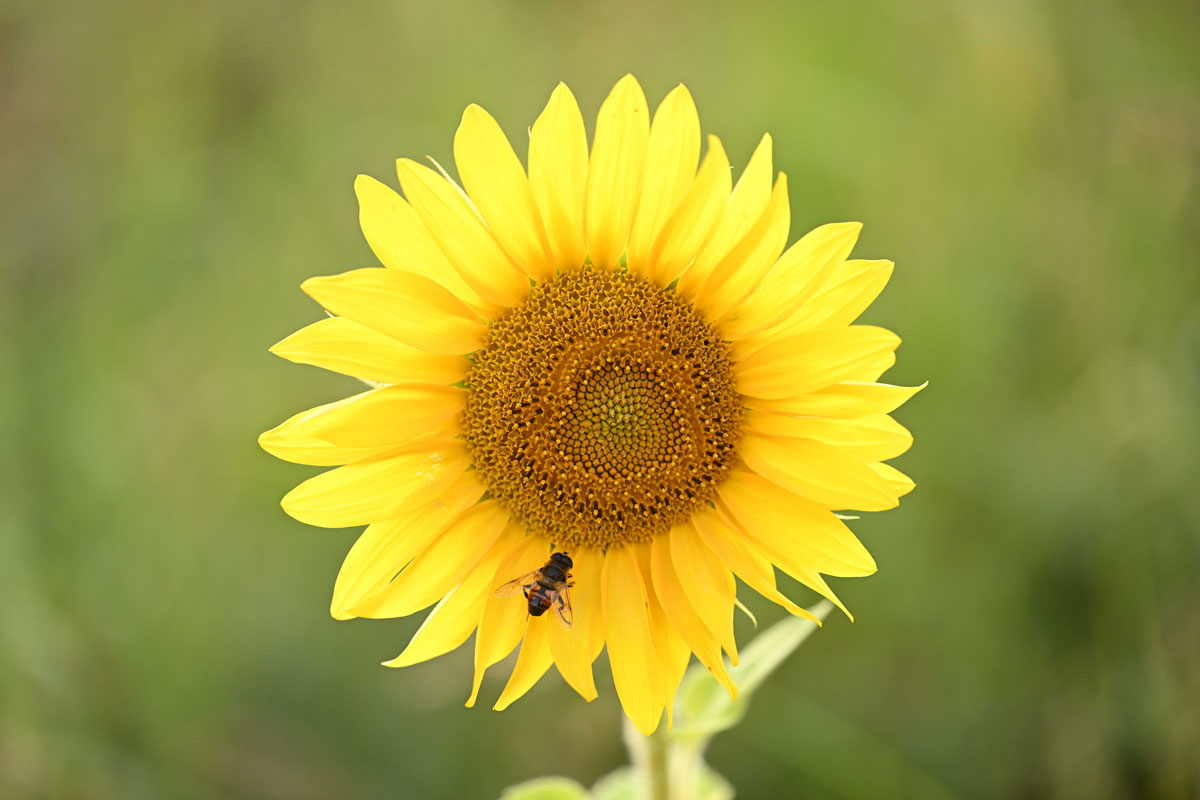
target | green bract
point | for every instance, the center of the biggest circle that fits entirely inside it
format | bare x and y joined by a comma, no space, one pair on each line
670,764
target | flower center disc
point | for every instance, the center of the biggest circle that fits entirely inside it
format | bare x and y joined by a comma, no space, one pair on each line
602,410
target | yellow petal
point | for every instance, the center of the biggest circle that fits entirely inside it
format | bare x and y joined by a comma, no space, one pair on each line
494,178
532,662
810,535
461,235
791,562
850,290
350,348
897,481
631,650
745,206
744,559
390,415
401,241
673,652
872,369
384,548
741,271
456,615
615,172
798,274
707,583
843,400
440,566
292,441
693,221
683,616
403,305
558,170
375,489
820,473
672,153
502,622
675,663
812,360
574,650
877,437
804,574
441,631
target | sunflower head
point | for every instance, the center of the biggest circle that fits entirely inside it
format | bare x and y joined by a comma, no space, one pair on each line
607,372
602,410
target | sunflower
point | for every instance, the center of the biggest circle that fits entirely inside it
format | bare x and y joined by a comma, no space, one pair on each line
610,355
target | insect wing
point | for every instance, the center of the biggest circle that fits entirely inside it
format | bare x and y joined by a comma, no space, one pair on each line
518,585
562,608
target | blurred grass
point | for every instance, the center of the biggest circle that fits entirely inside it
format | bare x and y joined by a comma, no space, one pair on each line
172,171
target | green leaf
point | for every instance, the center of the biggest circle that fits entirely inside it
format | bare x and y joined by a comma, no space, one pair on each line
620,784
703,706
546,789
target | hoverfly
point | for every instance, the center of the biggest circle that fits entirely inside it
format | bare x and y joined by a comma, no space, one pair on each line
545,587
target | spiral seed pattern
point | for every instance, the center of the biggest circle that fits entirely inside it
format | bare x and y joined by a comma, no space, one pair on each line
602,410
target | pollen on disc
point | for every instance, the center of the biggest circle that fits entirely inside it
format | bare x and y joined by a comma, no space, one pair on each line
602,410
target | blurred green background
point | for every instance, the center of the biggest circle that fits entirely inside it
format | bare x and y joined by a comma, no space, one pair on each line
172,171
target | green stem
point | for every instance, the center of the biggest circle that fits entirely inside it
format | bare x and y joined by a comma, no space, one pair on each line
684,766
650,757
656,767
